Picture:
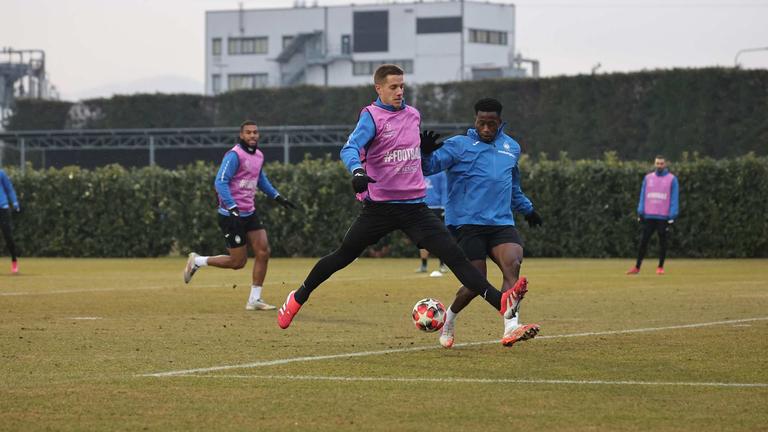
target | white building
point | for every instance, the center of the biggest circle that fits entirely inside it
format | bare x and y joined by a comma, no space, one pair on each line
342,45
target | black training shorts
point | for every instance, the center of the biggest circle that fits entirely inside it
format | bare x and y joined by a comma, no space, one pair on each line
477,240
234,232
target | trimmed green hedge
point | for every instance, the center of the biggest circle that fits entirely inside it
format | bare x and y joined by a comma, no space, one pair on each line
588,208
34,114
717,112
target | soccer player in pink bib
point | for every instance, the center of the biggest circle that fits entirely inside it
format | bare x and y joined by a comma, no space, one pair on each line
383,154
656,211
237,181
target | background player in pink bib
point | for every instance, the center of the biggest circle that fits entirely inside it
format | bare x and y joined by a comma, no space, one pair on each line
656,211
237,181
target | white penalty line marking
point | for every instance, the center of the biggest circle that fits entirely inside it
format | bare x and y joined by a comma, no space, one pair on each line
431,347
478,380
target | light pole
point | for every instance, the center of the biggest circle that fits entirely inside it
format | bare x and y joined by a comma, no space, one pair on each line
736,59
461,43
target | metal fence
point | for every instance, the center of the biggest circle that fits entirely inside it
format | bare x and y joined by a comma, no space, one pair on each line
169,147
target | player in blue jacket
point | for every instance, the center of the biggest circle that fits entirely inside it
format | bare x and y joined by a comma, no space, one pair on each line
8,199
437,192
483,191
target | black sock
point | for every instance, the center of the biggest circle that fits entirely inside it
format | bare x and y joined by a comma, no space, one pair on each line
323,269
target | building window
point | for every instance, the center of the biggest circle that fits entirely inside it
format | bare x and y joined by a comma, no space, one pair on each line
361,68
249,45
488,37
438,25
247,81
346,44
216,46
369,67
287,40
371,31
216,83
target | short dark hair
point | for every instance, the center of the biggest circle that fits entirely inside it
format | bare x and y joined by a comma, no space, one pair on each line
384,70
247,123
488,105
658,156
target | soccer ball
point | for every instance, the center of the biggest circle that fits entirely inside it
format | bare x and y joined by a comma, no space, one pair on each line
428,315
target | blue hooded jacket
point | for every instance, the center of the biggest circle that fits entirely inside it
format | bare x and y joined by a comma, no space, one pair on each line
437,190
483,179
7,193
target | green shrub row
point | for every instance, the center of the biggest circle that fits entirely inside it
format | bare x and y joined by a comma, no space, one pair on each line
717,112
588,207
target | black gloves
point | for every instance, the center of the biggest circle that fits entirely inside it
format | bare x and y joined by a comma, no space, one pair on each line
234,218
533,219
285,203
360,180
429,142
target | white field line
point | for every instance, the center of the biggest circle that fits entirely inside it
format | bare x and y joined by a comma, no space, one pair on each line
431,347
96,290
168,286
478,380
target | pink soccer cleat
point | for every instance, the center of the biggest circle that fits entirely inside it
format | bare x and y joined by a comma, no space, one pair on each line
14,267
633,271
287,311
521,333
660,271
511,298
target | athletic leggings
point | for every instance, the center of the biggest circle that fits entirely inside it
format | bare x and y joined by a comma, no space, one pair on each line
649,227
420,225
5,226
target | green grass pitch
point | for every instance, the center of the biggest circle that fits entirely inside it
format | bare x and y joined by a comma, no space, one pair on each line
102,344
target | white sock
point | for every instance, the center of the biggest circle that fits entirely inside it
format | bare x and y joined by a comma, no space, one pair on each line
450,316
511,323
255,293
201,261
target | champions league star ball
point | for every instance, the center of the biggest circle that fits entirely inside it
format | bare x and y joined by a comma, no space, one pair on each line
428,315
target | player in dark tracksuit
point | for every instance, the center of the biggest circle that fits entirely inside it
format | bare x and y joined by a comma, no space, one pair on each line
8,199
483,191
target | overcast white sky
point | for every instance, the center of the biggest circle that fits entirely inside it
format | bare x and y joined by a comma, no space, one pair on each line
98,47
